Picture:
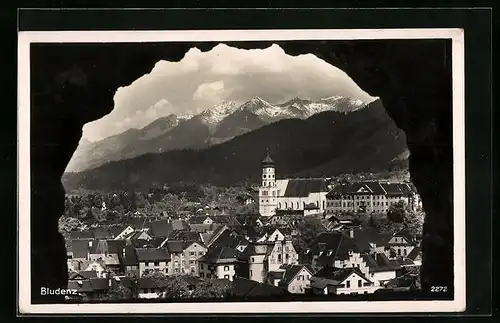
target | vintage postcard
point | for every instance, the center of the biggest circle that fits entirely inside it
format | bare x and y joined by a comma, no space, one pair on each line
241,171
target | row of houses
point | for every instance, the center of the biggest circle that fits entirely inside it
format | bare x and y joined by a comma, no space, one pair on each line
271,258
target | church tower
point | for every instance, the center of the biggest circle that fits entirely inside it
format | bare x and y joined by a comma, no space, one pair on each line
268,201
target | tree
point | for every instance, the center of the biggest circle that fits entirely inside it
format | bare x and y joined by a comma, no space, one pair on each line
383,224
207,289
397,211
248,210
173,286
118,292
176,287
414,221
174,203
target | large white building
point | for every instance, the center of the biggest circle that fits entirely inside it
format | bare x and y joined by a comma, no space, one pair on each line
371,196
305,194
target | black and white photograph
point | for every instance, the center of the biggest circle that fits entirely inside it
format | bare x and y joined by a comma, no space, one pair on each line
236,171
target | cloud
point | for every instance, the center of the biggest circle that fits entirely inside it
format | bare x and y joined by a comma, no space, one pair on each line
203,79
212,92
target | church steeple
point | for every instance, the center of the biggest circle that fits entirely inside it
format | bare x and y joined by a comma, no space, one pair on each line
268,190
268,162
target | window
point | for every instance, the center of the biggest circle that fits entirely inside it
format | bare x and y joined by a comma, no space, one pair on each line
348,284
192,262
404,252
226,276
279,258
251,273
360,283
157,263
177,270
209,276
264,176
264,193
201,266
192,270
226,268
146,263
202,275
192,253
253,259
200,253
399,252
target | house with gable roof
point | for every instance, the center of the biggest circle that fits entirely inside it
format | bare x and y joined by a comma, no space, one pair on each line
402,243
152,259
379,269
259,258
220,262
128,260
295,279
333,249
341,281
184,256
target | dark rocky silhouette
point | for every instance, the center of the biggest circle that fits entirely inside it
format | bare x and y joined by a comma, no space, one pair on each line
74,84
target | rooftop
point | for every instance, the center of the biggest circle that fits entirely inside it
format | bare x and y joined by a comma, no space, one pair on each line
267,161
302,187
152,254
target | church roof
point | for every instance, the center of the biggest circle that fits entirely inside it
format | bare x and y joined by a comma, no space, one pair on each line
267,160
303,187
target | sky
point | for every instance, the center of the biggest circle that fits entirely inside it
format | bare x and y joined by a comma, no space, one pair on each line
204,79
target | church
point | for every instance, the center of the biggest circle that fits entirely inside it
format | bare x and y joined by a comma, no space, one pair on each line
307,195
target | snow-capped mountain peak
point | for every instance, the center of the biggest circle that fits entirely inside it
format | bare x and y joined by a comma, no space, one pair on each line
264,109
185,116
216,114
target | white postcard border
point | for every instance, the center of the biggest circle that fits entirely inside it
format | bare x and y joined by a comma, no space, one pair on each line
24,292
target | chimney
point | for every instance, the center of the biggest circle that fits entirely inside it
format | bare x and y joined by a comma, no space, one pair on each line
351,233
90,243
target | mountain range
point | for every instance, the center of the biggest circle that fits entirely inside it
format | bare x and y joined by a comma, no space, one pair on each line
326,143
212,126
